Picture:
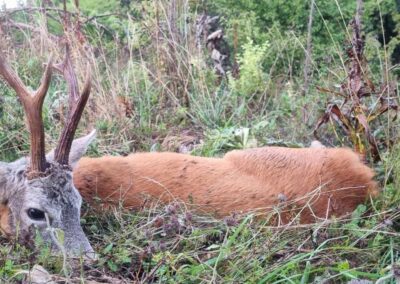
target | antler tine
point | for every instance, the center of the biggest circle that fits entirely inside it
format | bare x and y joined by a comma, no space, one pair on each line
33,104
13,80
76,105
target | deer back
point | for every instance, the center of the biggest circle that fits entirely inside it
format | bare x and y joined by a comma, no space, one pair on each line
318,182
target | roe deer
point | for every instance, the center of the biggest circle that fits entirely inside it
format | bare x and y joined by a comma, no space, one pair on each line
317,182
37,193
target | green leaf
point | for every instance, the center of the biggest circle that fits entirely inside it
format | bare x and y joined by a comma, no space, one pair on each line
108,248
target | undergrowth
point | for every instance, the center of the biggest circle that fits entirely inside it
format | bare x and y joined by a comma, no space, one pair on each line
168,244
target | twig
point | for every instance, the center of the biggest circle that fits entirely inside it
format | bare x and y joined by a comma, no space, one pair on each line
23,26
307,62
153,271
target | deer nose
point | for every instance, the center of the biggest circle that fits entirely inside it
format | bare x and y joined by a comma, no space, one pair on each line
88,252
77,244
85,250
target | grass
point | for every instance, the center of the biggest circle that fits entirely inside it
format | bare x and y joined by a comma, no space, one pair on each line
168,244
138,105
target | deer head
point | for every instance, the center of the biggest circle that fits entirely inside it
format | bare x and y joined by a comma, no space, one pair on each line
38,192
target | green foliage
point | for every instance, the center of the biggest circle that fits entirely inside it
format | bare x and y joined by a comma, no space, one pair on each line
7,270
252,78
219,141
245,19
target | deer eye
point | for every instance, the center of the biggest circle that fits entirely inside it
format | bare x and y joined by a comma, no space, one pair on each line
36,214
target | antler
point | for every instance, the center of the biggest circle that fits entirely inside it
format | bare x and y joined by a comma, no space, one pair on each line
32,103
76,105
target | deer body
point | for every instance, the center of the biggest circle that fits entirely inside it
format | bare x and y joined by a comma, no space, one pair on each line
332,181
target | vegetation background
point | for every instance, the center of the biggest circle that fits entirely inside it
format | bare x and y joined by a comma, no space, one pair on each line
206,77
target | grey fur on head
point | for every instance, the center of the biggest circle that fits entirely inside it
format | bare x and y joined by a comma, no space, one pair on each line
46,203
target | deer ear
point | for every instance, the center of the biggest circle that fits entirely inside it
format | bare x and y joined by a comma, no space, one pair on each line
78,149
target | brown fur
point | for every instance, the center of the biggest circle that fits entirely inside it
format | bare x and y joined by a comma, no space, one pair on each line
330,181
4,219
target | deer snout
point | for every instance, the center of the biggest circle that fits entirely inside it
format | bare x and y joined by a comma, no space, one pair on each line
79,246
